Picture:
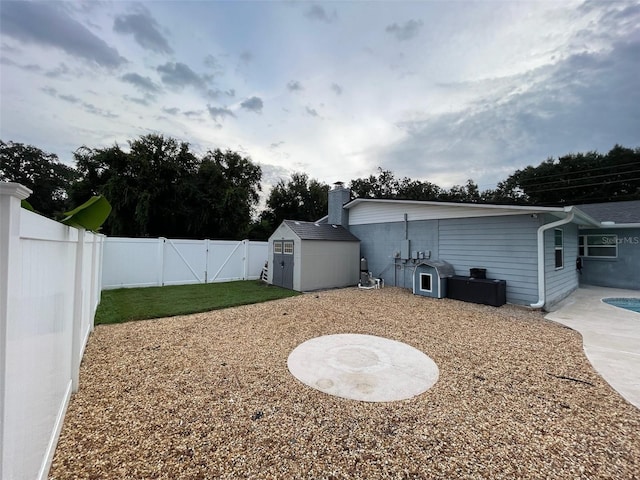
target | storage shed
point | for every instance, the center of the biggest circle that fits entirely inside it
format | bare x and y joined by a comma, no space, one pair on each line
306,256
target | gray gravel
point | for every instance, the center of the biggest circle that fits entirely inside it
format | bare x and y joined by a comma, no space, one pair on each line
209,396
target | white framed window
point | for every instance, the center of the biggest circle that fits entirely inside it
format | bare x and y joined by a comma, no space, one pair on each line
288,247
558,247
425,282
277,247
598,246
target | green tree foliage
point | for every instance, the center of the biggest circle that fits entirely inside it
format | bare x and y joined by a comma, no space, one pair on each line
386,185
582,178
39,171
160,188
300,198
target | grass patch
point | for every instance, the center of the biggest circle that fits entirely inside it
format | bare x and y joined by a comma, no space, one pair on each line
127,304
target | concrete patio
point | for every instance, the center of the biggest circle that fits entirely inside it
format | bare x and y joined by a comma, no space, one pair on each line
610,335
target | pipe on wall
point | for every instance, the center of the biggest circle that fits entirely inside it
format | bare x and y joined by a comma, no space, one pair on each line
541,283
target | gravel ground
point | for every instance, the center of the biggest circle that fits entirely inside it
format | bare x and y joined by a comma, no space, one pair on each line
209,396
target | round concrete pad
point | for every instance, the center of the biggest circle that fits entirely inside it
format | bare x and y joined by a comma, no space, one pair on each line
363,367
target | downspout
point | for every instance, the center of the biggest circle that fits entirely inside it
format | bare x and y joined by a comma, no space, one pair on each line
541,285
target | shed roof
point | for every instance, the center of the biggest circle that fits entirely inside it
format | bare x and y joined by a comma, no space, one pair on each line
320,231
618,212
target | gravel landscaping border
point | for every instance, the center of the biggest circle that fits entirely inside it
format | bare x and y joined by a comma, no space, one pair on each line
209,396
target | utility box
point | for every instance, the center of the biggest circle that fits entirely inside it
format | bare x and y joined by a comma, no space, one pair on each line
405,251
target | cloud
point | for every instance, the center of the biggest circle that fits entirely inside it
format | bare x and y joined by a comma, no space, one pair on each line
316,12
246,56
193,113
69,98
253,104
585,102
59,71
311,111
171,111
217,93
49,25
210,61
405,32
180,75
275,145
30,67
294,86
219,113
337,89
87,107
143,83
146,101
50,91
145,31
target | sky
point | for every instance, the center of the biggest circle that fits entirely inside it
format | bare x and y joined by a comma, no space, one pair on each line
434,91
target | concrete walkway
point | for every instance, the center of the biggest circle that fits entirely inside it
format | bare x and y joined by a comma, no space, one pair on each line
610,335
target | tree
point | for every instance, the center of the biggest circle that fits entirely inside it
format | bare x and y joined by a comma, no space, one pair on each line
384,185
468,193
160,188
39,171
300,198
225,195
582,178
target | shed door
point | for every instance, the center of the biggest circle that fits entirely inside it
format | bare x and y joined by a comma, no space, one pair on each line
283,263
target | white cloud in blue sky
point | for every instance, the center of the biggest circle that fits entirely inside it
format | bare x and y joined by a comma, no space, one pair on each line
438,91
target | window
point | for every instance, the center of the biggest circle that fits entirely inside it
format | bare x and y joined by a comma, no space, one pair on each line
277,247
598,246
558,248
288,248
425,282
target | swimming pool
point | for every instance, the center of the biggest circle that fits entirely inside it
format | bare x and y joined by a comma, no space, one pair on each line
632,304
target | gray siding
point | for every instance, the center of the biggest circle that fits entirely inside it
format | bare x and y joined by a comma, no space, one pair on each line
325,264
505,246
559,283
380,243
620,272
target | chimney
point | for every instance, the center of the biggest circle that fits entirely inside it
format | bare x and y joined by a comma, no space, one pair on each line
338,196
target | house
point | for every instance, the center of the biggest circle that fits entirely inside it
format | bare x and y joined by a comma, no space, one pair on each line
536,250
306,256
611,253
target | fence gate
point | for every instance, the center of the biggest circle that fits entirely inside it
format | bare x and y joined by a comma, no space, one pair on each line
283,263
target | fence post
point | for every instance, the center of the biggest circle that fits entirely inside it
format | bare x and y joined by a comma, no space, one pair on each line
76,330
206,260
160,259
245,271
10,196
93,302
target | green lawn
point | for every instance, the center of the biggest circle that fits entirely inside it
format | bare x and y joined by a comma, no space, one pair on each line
126,304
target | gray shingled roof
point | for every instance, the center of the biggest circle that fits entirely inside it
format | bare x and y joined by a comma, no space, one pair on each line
320,231
619,212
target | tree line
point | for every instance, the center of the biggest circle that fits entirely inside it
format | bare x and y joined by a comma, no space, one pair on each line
159,187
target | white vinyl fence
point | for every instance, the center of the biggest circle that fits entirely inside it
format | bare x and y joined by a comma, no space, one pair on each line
146,262
49,289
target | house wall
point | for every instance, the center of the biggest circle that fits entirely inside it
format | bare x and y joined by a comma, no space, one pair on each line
620,272
559,283
504,245
380,244
328,264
